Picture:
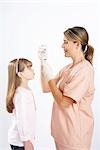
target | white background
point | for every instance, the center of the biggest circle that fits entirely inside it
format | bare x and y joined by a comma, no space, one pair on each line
24,26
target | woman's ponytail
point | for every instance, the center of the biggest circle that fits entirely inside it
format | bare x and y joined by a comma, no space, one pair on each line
89,53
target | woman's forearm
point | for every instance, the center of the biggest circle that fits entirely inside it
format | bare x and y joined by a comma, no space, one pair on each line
44,82
58,96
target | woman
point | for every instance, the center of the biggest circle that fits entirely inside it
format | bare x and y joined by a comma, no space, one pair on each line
73,90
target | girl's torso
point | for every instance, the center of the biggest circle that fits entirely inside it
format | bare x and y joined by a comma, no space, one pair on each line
23,117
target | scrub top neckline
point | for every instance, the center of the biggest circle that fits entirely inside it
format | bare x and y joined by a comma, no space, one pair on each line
75,65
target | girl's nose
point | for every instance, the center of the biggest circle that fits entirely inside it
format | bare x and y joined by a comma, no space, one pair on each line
62,45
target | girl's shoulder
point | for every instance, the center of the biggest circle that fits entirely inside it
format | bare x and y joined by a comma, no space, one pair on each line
23,90
23,94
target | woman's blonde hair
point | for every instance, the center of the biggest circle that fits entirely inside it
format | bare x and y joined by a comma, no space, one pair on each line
15,66
80,34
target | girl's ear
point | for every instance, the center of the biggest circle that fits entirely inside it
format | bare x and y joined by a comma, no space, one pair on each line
19,74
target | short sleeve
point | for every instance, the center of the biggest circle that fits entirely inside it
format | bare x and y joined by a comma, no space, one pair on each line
78,86
25,116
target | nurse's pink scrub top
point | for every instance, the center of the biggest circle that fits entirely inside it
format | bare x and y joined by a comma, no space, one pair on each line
72,126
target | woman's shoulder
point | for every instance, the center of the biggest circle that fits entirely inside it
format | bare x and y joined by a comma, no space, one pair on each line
86,66
81,68
83,65
65,68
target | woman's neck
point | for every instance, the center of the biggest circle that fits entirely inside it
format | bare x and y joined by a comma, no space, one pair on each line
78,59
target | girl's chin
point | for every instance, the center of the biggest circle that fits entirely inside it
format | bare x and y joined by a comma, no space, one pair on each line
66,55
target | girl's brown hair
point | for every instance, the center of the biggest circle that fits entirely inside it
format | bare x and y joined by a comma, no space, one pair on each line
15,66
80,34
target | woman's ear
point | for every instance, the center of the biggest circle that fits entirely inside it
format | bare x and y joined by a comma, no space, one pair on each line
78,45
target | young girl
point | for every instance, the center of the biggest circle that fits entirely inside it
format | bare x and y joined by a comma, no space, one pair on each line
20,102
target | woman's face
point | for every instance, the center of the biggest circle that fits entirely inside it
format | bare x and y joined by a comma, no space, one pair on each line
69,47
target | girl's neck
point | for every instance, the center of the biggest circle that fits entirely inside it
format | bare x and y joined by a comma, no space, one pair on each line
24,84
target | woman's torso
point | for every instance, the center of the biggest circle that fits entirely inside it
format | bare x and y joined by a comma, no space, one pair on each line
69,124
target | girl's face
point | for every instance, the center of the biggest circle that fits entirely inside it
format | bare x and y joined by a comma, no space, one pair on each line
69,47
28,73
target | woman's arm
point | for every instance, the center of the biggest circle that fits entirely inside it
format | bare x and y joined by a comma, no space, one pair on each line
58,96
44,82
52,84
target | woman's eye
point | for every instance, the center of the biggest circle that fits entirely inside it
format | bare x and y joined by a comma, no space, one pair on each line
66,42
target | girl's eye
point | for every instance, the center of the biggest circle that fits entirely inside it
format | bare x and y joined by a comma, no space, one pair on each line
30,67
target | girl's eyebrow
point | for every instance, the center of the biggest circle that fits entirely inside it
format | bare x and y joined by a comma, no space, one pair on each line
65,40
